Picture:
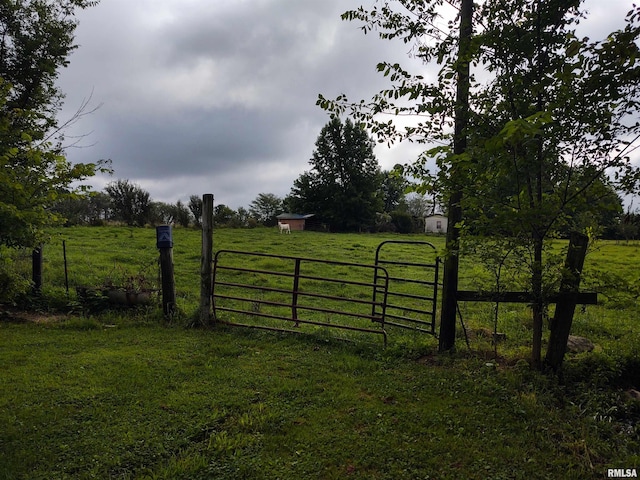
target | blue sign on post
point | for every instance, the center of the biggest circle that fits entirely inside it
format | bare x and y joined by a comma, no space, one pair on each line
164,237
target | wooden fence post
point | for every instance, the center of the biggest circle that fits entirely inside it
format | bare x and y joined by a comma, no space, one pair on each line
206,260
566,305
36,269
66,270
164,242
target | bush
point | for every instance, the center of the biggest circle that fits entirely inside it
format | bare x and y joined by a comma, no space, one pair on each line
402,221
12,285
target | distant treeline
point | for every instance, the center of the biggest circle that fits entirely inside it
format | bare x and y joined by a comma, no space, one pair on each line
124,202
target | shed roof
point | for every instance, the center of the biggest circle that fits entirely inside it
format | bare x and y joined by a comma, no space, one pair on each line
294,216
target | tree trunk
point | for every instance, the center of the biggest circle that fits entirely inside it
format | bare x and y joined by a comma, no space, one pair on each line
451,264
447,336
538,236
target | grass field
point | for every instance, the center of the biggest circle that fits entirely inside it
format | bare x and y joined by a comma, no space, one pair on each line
127,395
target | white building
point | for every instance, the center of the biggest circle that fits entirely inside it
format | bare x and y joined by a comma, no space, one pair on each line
435,224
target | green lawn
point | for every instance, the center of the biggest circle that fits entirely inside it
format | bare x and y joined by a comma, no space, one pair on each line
82,400
129,395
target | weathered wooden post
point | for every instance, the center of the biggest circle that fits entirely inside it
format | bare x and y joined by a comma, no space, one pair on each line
164,242
566,304
36,269
206,260
66,270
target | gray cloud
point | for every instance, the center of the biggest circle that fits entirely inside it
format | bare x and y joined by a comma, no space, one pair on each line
219,96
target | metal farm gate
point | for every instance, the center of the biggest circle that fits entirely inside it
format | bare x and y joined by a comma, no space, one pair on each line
295,294
413,284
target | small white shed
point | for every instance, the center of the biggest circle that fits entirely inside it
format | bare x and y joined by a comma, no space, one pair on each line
435,223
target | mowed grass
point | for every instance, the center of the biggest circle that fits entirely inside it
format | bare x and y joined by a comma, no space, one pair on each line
148,402
131,395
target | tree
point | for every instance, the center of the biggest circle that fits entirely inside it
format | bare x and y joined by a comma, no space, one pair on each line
402,221
242,217
76,211
555,116
223,215
560,109
441,109
99,207
92,208
182,216
36,37
195,206
419,206
265,207
598,211
167,213
161,213
393,186
629,226
343,186
130,202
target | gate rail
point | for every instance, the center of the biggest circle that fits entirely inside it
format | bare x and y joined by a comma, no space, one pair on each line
293,303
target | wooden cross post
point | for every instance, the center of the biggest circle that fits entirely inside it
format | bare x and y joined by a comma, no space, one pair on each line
566,300
566,305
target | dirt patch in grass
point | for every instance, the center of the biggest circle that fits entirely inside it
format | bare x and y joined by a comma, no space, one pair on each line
15,315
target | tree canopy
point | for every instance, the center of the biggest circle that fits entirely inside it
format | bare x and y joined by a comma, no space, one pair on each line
343,186
265,207
36,37
130,202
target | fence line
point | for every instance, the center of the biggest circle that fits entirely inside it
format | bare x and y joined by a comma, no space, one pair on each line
68,262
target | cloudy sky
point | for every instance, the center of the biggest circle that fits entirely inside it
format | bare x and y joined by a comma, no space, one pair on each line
218,96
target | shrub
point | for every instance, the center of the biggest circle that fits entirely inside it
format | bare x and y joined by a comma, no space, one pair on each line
12,285
402,221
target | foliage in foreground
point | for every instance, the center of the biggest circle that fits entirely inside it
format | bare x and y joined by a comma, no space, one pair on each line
548,130
37,38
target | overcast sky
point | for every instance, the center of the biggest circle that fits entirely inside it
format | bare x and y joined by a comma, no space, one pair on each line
218,96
